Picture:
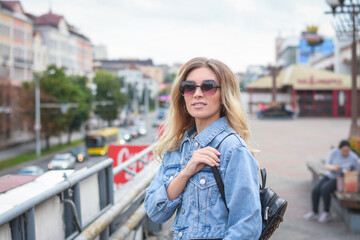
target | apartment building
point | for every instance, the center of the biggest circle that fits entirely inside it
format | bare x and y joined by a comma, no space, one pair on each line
66,47
16,31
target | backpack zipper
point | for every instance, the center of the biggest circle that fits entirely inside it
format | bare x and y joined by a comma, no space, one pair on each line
272,200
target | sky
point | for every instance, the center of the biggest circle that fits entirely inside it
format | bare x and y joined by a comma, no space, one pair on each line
236,32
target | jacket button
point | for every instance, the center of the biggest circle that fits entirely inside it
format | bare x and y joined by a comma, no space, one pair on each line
172,177
202,181
196,144
180,234
183,211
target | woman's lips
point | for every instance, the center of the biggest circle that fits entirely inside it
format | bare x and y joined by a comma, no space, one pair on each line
198,104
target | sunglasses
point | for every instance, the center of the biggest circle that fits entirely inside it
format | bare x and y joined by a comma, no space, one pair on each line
208,88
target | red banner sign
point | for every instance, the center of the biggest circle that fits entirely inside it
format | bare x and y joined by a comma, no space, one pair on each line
121,153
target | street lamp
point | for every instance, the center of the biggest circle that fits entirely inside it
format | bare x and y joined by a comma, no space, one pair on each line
37,126
351,8
274,71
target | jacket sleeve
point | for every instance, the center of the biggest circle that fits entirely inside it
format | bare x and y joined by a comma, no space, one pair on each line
157,204
242,195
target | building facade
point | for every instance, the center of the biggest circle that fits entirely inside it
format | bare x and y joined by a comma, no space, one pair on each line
29,44
16,59
16,53
307,91
139,82
65,46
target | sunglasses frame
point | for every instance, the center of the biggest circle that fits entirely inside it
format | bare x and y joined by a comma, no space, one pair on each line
206,93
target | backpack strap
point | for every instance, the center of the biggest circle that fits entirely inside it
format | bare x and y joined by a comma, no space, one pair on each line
218,179
263,178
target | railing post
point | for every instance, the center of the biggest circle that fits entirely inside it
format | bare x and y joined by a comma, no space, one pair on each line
30,225
77,200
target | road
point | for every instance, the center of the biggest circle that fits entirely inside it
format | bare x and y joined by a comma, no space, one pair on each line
43,162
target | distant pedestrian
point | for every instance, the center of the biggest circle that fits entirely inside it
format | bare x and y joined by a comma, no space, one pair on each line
339,160
205,111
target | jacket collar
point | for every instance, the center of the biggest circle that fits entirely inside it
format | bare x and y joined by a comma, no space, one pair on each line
208,134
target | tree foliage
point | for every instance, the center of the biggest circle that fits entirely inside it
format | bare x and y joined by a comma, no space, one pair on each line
108,95
170,78
83,97
58,89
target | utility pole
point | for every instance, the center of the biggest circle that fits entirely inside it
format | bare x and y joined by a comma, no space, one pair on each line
351,8
37,126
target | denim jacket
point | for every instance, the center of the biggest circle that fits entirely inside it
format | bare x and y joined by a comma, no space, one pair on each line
201,212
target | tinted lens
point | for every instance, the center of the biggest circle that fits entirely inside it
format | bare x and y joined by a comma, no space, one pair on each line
208,87
187,88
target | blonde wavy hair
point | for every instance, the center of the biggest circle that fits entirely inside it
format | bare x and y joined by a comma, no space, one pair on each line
179,120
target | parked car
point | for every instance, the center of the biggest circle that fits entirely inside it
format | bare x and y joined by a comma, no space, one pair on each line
157,123
275,112
80,153
142,129
124,136
161,113
134,131
31,170
62,161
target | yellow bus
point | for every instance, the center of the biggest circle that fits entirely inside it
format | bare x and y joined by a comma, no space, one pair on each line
97,141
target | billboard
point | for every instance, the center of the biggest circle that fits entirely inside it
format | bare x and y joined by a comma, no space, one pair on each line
121,153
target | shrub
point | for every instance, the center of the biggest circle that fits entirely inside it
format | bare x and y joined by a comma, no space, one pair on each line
355,144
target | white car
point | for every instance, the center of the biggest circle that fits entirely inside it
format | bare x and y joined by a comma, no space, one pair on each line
62,161
31,170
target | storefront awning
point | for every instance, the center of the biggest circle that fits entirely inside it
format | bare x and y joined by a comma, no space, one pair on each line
305,78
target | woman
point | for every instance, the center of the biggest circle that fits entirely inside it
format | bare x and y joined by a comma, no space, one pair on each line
339,160
205,110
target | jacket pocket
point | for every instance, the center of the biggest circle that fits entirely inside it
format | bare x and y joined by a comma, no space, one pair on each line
203,189
171,171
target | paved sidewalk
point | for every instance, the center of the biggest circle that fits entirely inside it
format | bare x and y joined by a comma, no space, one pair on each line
29,146
286,146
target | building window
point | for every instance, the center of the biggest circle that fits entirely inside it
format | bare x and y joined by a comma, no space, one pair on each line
4,29
19,34
52,59
4,51
19,74
19,54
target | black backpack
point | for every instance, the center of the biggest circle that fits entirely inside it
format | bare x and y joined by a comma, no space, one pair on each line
273,207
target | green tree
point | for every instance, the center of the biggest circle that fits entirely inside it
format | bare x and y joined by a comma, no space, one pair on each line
170,78
81,94
55,89
108,96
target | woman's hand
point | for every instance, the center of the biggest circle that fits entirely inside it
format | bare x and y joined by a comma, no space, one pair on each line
332,167
200,157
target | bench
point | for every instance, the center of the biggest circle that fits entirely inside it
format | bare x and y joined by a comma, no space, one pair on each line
347,205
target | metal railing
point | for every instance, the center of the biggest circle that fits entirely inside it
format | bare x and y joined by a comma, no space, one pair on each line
113,221
103,222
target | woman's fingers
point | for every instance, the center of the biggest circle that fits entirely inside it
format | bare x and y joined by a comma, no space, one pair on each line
207,155
208,151
207,159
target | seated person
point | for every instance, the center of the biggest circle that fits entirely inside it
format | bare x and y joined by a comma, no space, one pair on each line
339,160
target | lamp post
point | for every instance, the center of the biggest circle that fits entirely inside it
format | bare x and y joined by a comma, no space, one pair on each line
274,71
351,8
37,126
